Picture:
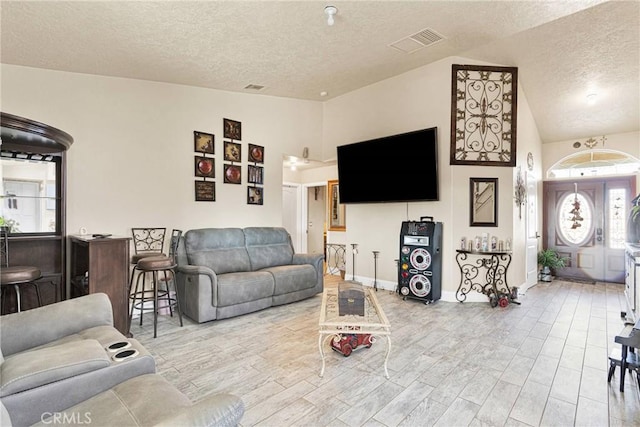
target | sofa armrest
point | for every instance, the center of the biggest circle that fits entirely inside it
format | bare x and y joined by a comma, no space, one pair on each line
314,259
36,368
198,292
220,410
33,328
197,269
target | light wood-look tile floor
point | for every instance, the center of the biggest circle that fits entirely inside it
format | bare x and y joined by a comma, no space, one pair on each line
543,363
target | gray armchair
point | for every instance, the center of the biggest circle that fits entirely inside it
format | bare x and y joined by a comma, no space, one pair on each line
56,356
57,367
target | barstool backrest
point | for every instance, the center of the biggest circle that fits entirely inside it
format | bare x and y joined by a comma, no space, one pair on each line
175,241
148,240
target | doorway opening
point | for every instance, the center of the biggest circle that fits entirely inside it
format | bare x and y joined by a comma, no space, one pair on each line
585,221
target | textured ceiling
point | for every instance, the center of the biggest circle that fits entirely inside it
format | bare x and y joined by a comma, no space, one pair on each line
563,49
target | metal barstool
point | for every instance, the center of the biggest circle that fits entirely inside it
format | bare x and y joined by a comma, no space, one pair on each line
147,241
18,275
155,265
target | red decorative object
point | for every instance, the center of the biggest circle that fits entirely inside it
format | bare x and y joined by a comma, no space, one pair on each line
346,343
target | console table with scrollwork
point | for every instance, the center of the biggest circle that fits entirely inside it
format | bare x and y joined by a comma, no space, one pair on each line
486,273
334,256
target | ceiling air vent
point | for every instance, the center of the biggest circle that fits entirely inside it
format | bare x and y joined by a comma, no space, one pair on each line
254,87
417,41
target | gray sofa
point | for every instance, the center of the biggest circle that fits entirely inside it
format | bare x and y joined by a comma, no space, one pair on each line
226,272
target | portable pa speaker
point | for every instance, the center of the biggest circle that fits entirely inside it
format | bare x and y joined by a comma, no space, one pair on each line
420,266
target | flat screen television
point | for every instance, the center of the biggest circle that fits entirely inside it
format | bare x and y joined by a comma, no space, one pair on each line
398,168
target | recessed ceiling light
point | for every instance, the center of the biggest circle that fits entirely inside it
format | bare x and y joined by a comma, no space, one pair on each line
591,98
324,93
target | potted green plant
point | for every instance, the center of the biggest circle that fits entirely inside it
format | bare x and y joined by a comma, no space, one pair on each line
549,259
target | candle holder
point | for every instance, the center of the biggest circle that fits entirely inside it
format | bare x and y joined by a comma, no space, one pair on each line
375,270
354,252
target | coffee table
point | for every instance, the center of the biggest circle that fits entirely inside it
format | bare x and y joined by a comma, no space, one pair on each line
374,322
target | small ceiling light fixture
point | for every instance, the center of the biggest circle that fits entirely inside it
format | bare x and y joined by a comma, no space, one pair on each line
324,93
591,98
330,11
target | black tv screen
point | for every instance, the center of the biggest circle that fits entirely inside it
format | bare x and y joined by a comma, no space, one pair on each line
398,168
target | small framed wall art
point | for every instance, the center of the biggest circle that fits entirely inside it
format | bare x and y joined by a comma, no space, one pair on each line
232,151
255,175
255,195
205,167
232,174
232,129
205,191
256,153
203,142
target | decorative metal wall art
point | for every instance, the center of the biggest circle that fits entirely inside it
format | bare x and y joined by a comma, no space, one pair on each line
205,167
205,191
203,143
232,129
255,195
256,153
232,151
255,175
591,142
232,174
520,194
483,115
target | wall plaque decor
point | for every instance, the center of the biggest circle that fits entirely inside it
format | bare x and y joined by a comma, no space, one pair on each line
232,174
232,129
255,174
205,167
203,142
255,195
205,191
483,115
256,153
232,151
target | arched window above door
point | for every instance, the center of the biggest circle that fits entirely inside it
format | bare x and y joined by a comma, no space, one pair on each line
594,163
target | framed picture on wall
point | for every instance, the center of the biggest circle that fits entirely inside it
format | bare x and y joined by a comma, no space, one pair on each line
203,142
205,167
232,129
232,151
205,191
256,153
255,195
254,175
232,174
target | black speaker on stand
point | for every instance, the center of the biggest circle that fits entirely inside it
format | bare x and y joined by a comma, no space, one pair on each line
420,263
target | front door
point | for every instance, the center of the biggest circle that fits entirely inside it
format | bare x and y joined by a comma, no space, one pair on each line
585,221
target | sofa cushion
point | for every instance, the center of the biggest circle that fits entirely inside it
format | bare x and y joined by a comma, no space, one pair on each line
268,246
292,278
34,368
144,400
237,288
221,249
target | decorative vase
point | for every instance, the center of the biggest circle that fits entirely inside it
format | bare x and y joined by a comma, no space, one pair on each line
545,274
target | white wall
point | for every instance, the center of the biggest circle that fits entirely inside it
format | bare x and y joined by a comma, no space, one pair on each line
132,162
